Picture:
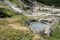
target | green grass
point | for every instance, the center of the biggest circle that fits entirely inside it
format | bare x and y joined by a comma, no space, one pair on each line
12,34
3,23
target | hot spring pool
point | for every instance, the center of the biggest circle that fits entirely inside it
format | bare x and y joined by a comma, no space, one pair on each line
37,26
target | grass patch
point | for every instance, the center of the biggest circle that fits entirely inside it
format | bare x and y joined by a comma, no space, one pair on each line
21,19
3,23
12,34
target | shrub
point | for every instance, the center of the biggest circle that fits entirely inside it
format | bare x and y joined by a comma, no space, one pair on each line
6,12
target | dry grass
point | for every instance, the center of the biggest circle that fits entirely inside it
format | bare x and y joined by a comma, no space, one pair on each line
18,27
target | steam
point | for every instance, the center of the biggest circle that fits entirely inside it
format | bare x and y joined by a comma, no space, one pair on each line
14,7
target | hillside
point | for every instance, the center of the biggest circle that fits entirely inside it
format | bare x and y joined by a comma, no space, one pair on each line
16,17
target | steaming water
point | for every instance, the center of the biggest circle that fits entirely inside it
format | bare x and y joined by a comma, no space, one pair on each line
37,26
14,7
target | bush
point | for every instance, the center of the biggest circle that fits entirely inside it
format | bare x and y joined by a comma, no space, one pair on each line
5,13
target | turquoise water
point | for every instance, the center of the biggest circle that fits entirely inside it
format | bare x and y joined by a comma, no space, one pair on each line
37,26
